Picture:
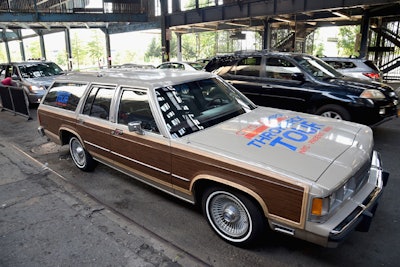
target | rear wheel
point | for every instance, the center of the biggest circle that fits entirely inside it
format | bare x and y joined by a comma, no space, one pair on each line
233,216
82,159
334,112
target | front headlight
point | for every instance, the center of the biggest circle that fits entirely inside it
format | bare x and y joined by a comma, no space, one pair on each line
322,207
372,94
35,88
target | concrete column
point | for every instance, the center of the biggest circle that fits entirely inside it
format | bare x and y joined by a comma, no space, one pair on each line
108,48
42,45
21,45
165,32
267,35
364,30
68,49
179,46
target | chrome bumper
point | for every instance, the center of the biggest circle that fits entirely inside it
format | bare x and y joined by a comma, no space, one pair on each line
361,217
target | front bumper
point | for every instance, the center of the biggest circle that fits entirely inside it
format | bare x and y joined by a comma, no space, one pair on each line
361,217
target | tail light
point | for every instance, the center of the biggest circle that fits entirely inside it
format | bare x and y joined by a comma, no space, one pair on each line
372,75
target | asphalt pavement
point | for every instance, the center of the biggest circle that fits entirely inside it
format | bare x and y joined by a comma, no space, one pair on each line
46,221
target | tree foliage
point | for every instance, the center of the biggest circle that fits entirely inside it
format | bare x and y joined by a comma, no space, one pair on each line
95,48
347,41
34,50
154,50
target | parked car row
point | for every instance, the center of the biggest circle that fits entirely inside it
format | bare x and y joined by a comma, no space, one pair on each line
291,81
34,77
305,83
355,67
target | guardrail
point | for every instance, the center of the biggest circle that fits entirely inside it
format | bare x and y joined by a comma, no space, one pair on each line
15,100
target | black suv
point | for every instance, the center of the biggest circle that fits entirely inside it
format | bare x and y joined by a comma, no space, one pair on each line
305,83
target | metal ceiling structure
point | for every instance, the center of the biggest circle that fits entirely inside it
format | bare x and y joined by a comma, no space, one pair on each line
255,14
118,16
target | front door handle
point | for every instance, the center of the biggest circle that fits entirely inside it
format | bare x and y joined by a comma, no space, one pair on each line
117,132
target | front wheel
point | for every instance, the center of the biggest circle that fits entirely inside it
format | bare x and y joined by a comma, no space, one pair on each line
82,159
334,112
233,216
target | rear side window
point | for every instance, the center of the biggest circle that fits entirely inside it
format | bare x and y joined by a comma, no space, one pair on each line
342,64
65,95
249,66
99,101
280,68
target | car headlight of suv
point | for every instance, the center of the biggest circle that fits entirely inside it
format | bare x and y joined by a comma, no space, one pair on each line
322,207
35,88
372,94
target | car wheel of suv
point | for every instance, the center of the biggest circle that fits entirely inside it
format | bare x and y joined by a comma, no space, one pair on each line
233,216
334,112
82,159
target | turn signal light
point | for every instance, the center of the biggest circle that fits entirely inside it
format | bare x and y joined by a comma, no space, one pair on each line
317,206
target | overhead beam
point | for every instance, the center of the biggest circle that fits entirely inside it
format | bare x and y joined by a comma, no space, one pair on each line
71,17
264,9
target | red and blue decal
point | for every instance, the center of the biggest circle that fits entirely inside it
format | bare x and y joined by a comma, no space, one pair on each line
294,133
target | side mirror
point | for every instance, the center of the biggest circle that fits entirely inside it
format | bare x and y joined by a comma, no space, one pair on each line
298,77
136,126
15,77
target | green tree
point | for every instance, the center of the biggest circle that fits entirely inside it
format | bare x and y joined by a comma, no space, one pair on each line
34,50
78,51
3,55
347,40
61,59
154,50
95,48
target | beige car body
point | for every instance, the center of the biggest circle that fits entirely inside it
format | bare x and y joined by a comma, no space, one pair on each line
284,162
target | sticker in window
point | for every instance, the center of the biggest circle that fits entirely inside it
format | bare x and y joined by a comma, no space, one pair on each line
62,98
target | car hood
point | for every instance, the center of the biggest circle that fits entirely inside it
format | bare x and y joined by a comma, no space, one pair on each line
286,142
360,85
42,81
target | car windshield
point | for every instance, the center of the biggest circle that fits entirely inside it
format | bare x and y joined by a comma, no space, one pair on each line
42,69
194,106
317,68
196,65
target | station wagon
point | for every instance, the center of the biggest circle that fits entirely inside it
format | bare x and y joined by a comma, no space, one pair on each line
194,136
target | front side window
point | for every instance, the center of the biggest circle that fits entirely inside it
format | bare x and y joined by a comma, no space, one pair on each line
249,66
98,102
65,95
317,68
134,106
196,105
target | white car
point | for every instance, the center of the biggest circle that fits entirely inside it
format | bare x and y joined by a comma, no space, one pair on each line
181,65
192,135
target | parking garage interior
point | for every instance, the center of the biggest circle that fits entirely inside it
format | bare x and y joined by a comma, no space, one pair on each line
379,22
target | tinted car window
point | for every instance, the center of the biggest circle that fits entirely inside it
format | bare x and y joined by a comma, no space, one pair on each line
249,66
65,95
34,70
194,106
280,68
98,102
134,106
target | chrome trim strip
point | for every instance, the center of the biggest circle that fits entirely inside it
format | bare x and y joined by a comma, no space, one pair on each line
96,146
141,163
144,181
180,178
130,159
